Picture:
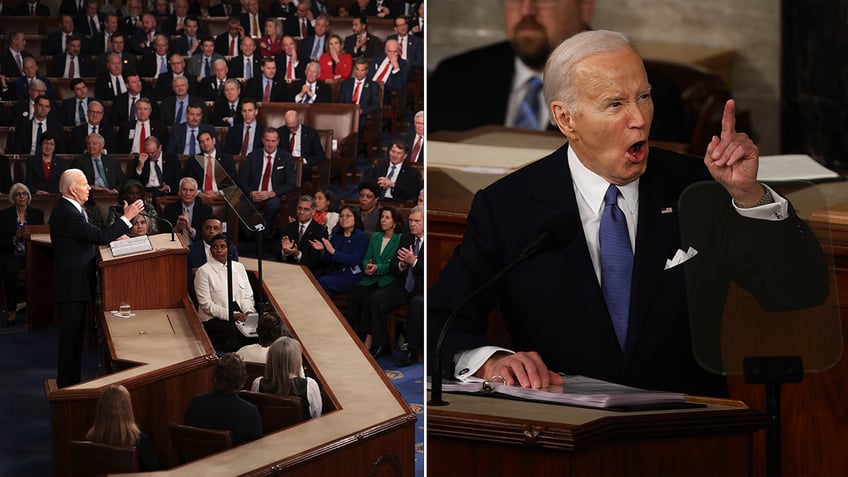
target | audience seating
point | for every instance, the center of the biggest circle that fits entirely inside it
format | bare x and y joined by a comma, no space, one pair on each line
89,459
343,120
191,443
395,317
277,412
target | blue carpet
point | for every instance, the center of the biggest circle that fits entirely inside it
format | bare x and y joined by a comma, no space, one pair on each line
409,381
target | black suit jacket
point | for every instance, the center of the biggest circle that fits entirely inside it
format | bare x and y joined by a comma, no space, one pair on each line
199,215
407,183
168,109
8,64
73,240
291,27
221,110
322,91
81,132
149,65
177,141
9,226
458,80
104,88
121,106
86,66
164,88
245,22
208,88
125,141
235,67
54,43
391,81
299,70
128,59
235,137
253,89
81,23
69,109
283,176
21,87
36,180
114,174
23,136
195,169
406,241
409,139
227,412
171,171
97,44
22,10
222,45
310,143
373,46
414,49
309,256
571,328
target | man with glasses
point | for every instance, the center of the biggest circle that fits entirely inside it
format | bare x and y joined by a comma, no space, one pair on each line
95,124
165,83
22,85
294,245
24,109
411,47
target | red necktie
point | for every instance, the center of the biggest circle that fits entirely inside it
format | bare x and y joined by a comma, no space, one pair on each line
416,149
209,181
401,48
141,139
71,69
356,92
266,96
245,140
383,71
266,177
291,140
302,28
232,46
289,75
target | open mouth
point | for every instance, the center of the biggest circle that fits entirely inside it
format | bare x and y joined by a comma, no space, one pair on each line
638,151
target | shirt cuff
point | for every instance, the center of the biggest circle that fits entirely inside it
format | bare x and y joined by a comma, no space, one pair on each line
777,210
126,221
469,362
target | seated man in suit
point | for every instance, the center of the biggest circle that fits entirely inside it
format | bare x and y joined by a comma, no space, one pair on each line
411,47
102,171
247,65
359,89
293,240
390,69
32,8
11,59
200,63
408,289
28,132
142,38
175,108
73,63
246,136
24,109
290,66
398,180
189,213
132,133
362,44
265,87
89,21
157,171
316,42
155,63
227,45
309,90
95,124
227,109
21,85
212,87
223,408
165,83
303,143
110,84
267,175
184,137
75,109
175,24
57,41
123,106
102,42
253,20
209,166
129,63
612,308
415,139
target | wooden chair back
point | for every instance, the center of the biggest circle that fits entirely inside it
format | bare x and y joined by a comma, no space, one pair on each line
192,443
277,412
90,459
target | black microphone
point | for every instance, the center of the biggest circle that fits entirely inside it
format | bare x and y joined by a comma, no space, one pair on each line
553,235
120,209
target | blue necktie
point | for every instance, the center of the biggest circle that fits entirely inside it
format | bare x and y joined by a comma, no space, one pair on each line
528,112
132,109
389,176
82,118
179,117
191,147
616,263
248,69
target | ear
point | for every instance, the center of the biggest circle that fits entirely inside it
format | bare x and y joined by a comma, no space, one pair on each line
564,119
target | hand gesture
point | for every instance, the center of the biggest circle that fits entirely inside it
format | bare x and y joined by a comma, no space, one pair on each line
131,210
370,269
142,158
733,160
182,224
328,246
525,369
406,255
317,245
306,90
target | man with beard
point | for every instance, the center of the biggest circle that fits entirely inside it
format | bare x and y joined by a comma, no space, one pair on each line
510,92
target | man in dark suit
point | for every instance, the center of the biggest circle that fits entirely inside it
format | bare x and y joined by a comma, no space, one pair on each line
89,21
111,84
26,131
21,86
73,63
253,20
250,126
496,96
315,43
303,142
132,20
568,309
155,63
256,87
141,41
190,41
267,175
226,111
299,25
361,43
71,7
101,170
309,90
212,169
75,108
361,90
293,240
189,213
102,42
175,24
198,252
123,106
415,139
57,40
131,132
411,47
24,109
96,124
237,63
398,180
73,239
157,171
32,8
212,87
391,69
181,134
223,9
179,102
12,58
227,45
290,66
128,59
408,289
165,83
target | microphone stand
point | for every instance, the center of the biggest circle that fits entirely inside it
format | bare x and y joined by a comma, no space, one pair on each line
163,219
259,228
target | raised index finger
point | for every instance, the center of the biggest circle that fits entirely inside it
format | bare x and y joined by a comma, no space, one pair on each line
728,118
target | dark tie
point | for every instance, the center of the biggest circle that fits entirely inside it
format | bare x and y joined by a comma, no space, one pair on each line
528,112
300,232
388,176
410,278
93,129
81,112
38,137
178,117
132,109
93,25
117,88
158,171
206,72
191,147
616,263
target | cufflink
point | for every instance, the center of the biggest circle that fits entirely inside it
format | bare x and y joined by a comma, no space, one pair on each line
463,371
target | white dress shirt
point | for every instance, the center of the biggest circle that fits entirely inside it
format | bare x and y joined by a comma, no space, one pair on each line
210,286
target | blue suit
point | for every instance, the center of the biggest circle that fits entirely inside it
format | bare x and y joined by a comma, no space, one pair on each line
177,141
344,268
283,180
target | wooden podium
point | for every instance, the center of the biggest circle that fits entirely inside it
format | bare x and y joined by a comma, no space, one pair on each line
476,435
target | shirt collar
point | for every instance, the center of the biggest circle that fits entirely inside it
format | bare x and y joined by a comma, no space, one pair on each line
593,187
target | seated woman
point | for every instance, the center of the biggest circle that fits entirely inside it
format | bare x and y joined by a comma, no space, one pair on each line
115,425
12,244
325,206
272,43
269,328
342,253
210,287
284,376
382,248
336,65
130,192
44,168
222,408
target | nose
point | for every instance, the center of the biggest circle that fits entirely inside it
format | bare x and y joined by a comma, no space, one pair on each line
638,114
528,7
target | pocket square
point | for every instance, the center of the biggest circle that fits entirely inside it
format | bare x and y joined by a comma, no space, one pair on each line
679,257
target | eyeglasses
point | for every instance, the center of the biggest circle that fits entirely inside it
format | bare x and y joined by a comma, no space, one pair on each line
21,193
303,209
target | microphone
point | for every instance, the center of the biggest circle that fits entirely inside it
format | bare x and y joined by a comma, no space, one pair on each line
120,209
553,235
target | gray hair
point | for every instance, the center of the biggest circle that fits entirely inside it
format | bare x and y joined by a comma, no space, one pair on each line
68,178
96,136
233,81
16,186
188,179
559,70
307,198
37,84
314,64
